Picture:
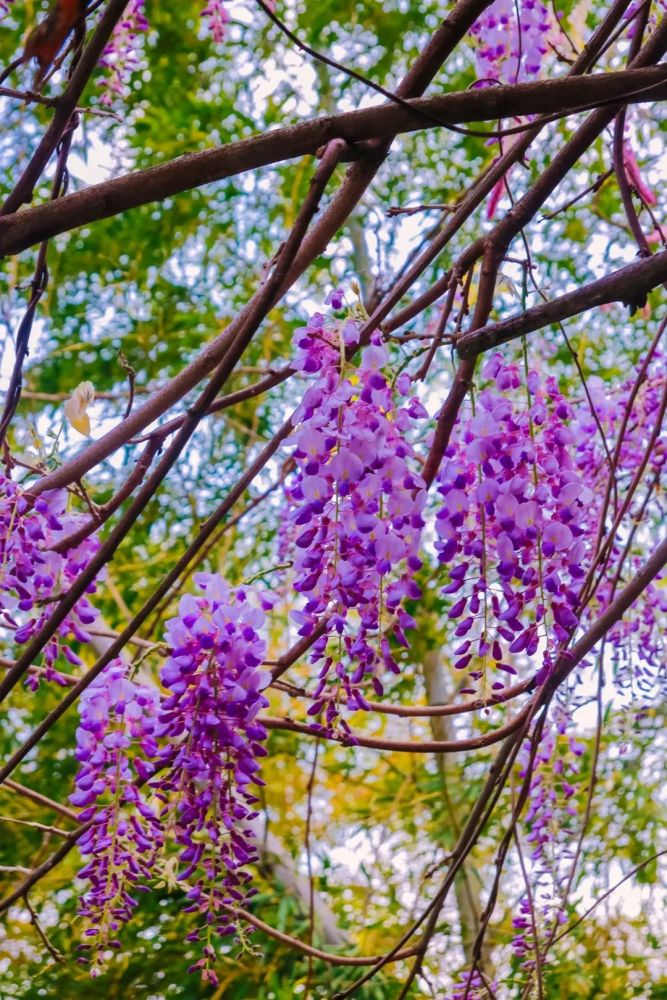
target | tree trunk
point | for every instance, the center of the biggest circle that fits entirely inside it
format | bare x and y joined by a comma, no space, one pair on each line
467,885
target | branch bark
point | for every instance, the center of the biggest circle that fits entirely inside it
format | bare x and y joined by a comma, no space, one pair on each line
19,231
628,285
467,885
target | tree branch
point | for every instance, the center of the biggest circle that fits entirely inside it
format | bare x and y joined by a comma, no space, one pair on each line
66,106
22,230
628,284
249,321
402,746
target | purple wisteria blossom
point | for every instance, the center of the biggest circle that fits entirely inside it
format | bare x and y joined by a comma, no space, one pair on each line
511,42
122,55
211,744
511,49
470,986
357,503
521,489
115,742
216,19
32,575
509,529
551,830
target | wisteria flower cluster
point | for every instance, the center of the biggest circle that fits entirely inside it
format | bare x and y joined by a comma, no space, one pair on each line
33,575
177,768
469,986
122,54
523,503
511,40
210,744
509,529
510,47
553,776
216,18
115,741
522,487
357,504
633,415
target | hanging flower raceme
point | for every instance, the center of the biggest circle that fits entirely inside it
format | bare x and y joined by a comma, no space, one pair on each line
115,743
510,526
522,488
470,986
511,40
122,54
510,47
213,741
216,19
552,770
633,422
357,505
33,575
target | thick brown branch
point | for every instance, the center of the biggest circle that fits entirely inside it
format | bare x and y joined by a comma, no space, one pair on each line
536,195
359,175
22,230
332,219
625,285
